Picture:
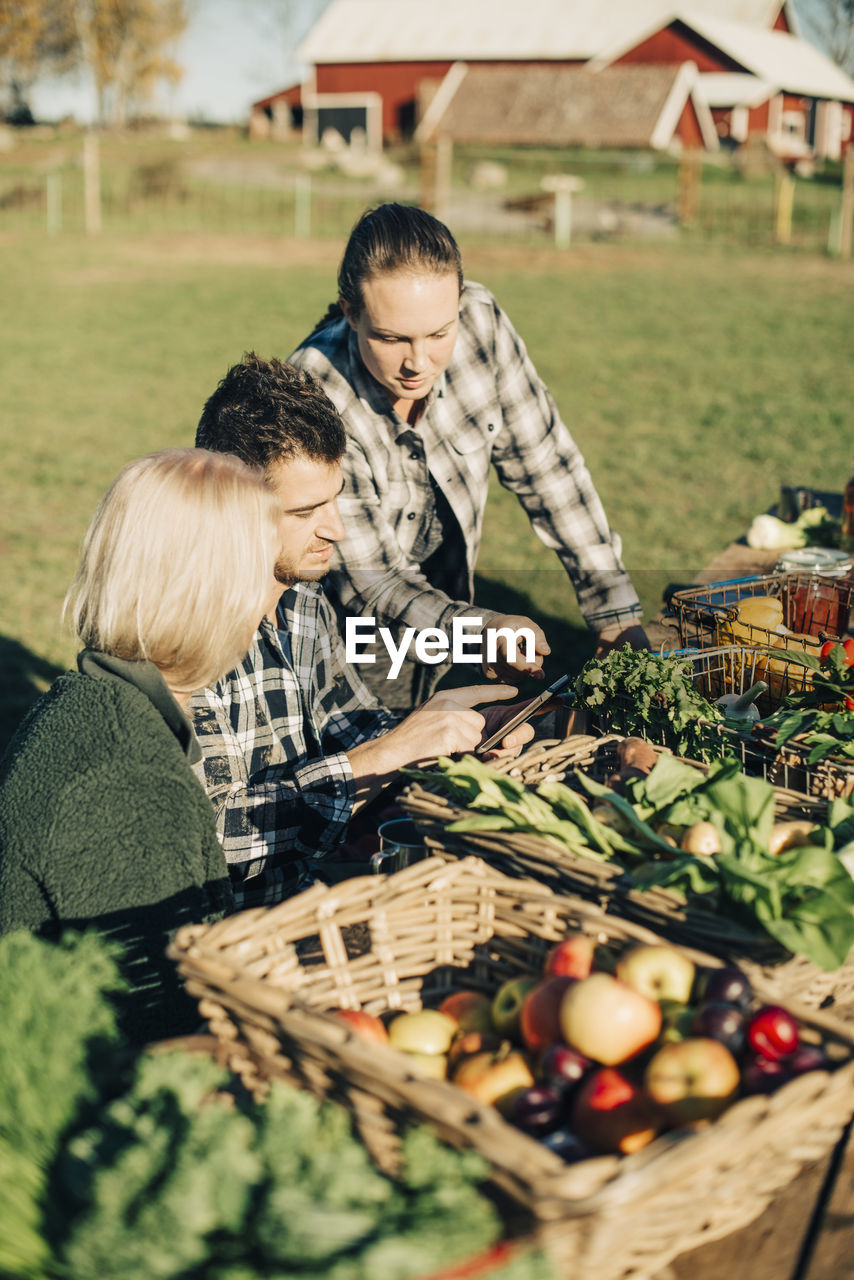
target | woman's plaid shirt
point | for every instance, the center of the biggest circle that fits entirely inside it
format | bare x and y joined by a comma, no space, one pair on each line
489,407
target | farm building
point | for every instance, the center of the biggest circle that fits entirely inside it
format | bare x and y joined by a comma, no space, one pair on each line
385,67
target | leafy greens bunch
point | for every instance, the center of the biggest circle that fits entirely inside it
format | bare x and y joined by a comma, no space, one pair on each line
804,897
820,717
638,692
149,1166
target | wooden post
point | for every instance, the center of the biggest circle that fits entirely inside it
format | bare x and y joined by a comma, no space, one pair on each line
688,187
54,202
785,203
562,185
91,184
846,211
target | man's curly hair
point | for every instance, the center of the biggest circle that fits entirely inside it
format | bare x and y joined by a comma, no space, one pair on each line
266,411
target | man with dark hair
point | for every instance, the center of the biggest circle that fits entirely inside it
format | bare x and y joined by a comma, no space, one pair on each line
293,743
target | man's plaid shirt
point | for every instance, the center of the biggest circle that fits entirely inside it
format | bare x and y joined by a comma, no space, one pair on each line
273,735
490,406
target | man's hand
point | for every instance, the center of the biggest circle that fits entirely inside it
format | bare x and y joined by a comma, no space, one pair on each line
445,724
516,739
615,636
504,668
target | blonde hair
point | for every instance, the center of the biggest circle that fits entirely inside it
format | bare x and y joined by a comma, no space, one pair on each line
177,564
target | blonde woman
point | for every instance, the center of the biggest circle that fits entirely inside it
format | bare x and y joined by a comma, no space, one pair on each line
102,821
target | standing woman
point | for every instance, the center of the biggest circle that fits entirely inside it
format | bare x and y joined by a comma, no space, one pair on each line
102,822
434,384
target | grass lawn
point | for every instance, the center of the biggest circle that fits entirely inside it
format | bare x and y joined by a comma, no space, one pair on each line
695,381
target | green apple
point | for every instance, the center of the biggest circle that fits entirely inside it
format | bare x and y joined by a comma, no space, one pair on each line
677,1020
432,1066
507,1006
607,1020
694,1079
657,970
427,1031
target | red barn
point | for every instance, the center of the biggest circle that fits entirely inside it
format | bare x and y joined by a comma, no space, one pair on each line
377,64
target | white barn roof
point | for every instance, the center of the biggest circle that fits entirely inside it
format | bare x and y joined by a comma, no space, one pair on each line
780,59
352,31
726,88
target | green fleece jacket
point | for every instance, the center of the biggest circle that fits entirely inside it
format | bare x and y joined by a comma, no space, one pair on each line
104,825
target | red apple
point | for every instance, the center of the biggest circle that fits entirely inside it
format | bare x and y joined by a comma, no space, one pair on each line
507,1005
658,971
607,1020
773,1032
610,1113
427,1031
539,1020
471,1010
571,958
694,1079
495,1077
364,1024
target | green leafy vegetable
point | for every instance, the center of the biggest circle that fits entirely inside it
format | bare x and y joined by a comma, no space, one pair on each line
803,898
156,1168
640,691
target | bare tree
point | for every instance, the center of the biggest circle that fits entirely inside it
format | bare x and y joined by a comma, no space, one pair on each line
125,45
832,23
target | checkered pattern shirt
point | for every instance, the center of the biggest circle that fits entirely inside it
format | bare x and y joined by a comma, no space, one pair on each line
273,735
490,406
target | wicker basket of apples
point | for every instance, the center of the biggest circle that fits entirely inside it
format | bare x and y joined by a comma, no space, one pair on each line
632,1099
561,818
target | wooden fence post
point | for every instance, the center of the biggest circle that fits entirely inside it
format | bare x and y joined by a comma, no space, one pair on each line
784,205
688,182
846,210
91,184
562,185
53,184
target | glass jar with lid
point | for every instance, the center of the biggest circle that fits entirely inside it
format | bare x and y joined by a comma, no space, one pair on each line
817,596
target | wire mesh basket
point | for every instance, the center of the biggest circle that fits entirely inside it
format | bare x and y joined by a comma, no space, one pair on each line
727,670
810,604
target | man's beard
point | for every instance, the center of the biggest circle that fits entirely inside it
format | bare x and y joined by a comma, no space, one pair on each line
288,573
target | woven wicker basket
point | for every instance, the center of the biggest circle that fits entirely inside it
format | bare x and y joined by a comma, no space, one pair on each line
265,978
528,854
733,669
813,604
